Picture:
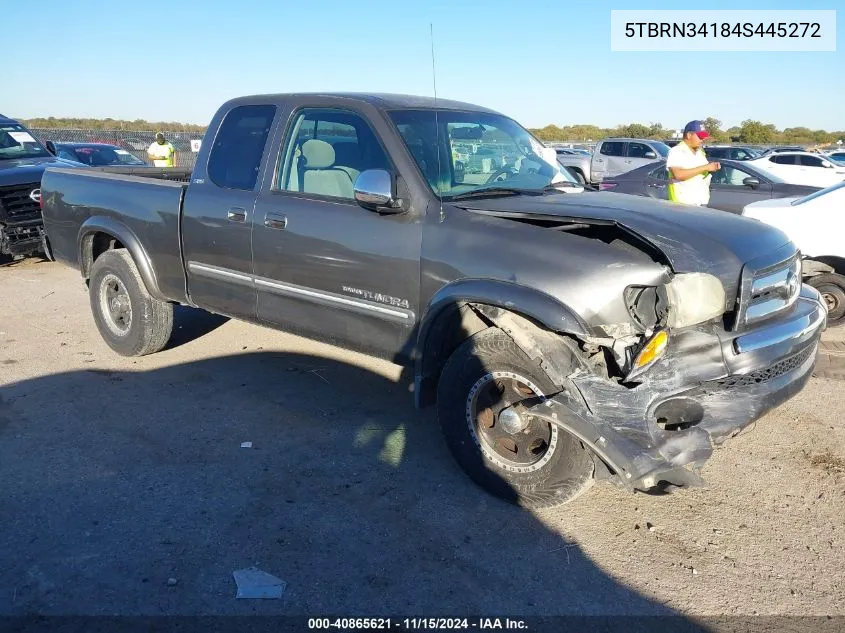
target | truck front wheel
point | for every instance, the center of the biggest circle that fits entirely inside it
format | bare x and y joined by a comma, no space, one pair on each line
831,286
130,321
483,392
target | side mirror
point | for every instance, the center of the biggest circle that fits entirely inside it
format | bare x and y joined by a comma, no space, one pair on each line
374,189
649,155
751,182
827,165
51,147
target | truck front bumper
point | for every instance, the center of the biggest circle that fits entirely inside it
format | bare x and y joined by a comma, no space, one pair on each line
708,387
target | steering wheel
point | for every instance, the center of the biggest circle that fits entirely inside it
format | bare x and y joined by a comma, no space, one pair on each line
501,175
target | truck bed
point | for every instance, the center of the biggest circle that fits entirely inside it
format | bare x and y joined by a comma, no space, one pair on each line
140,205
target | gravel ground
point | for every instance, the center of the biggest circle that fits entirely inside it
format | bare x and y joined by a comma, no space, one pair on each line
126,489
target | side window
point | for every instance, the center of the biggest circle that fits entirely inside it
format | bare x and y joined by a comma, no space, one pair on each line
661,173
731,176
613,148
782,160
239,145
638,150
810,161
325,152
63,153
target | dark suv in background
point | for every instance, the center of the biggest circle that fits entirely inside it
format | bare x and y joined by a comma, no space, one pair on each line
730,152
22,162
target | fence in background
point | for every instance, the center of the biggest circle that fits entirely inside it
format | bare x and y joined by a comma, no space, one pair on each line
136,143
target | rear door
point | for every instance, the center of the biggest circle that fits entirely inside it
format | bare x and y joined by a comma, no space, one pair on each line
324,266
786,166
729,192
218,210
637,155
608,160
656,184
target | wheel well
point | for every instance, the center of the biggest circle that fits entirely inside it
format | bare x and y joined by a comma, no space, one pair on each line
460,321
94,245
837,263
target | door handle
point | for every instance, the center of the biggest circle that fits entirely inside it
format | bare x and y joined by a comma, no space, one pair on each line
236,214
276,221
656,186
627,161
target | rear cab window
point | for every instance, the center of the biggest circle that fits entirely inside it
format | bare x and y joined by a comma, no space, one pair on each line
238,148
612,148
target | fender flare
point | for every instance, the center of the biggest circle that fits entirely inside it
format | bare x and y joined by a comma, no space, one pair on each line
528,302
119,231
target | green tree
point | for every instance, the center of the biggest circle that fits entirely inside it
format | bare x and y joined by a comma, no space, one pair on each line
714,126
756,132
633,130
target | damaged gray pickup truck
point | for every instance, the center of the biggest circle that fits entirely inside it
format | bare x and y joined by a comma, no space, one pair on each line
565,335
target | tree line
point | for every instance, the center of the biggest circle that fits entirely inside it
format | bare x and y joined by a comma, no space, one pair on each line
138,125
749,131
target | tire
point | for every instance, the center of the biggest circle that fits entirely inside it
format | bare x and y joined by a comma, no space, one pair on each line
130,321
473,378
578,176
832,288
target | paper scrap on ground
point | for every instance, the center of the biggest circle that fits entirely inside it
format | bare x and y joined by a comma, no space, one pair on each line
246,444
254,583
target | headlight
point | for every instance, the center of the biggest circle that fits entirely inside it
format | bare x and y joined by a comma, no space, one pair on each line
694,298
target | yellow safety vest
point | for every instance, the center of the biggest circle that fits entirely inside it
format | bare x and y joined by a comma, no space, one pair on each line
162,154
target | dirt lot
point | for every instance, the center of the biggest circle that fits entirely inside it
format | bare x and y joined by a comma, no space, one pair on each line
126,489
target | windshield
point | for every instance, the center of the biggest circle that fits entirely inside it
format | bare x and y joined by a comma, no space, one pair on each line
477,151
770,175
661,148
817,194
100,156
17,142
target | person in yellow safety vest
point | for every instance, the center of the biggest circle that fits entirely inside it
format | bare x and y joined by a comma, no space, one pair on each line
689,168
161,152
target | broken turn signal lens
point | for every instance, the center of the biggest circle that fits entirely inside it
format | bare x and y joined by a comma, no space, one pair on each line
652,350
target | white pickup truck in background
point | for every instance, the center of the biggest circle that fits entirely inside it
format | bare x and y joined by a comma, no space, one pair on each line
815,224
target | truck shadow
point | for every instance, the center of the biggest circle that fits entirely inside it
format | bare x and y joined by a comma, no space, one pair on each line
117,481
190,324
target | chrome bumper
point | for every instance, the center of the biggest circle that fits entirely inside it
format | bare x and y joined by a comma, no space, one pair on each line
811,315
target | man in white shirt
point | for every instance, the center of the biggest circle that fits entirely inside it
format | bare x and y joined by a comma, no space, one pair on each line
161,152
689,167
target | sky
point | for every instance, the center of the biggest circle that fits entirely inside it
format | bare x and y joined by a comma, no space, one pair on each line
540,62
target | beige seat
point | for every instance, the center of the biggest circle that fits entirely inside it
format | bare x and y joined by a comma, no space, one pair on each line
319,173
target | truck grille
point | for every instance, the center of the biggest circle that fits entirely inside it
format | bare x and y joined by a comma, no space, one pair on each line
17,206
768,292
766,374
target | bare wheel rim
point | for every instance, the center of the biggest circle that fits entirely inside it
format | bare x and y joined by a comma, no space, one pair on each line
831,301
115,305
505,434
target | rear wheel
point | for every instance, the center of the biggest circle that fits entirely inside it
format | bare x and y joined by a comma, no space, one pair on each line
483,393
130,321
832,288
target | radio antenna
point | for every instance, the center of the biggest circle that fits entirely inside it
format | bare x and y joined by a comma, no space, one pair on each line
436,121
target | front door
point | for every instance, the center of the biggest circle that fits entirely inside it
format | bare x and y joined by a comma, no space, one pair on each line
608,160
729,192
324,266
217,218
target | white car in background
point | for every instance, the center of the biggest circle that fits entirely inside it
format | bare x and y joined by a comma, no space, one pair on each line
816,224
802,168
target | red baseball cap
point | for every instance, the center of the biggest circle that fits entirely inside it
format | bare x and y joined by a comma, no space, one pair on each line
698,128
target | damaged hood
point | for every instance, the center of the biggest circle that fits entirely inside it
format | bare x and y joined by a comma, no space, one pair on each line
692,239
